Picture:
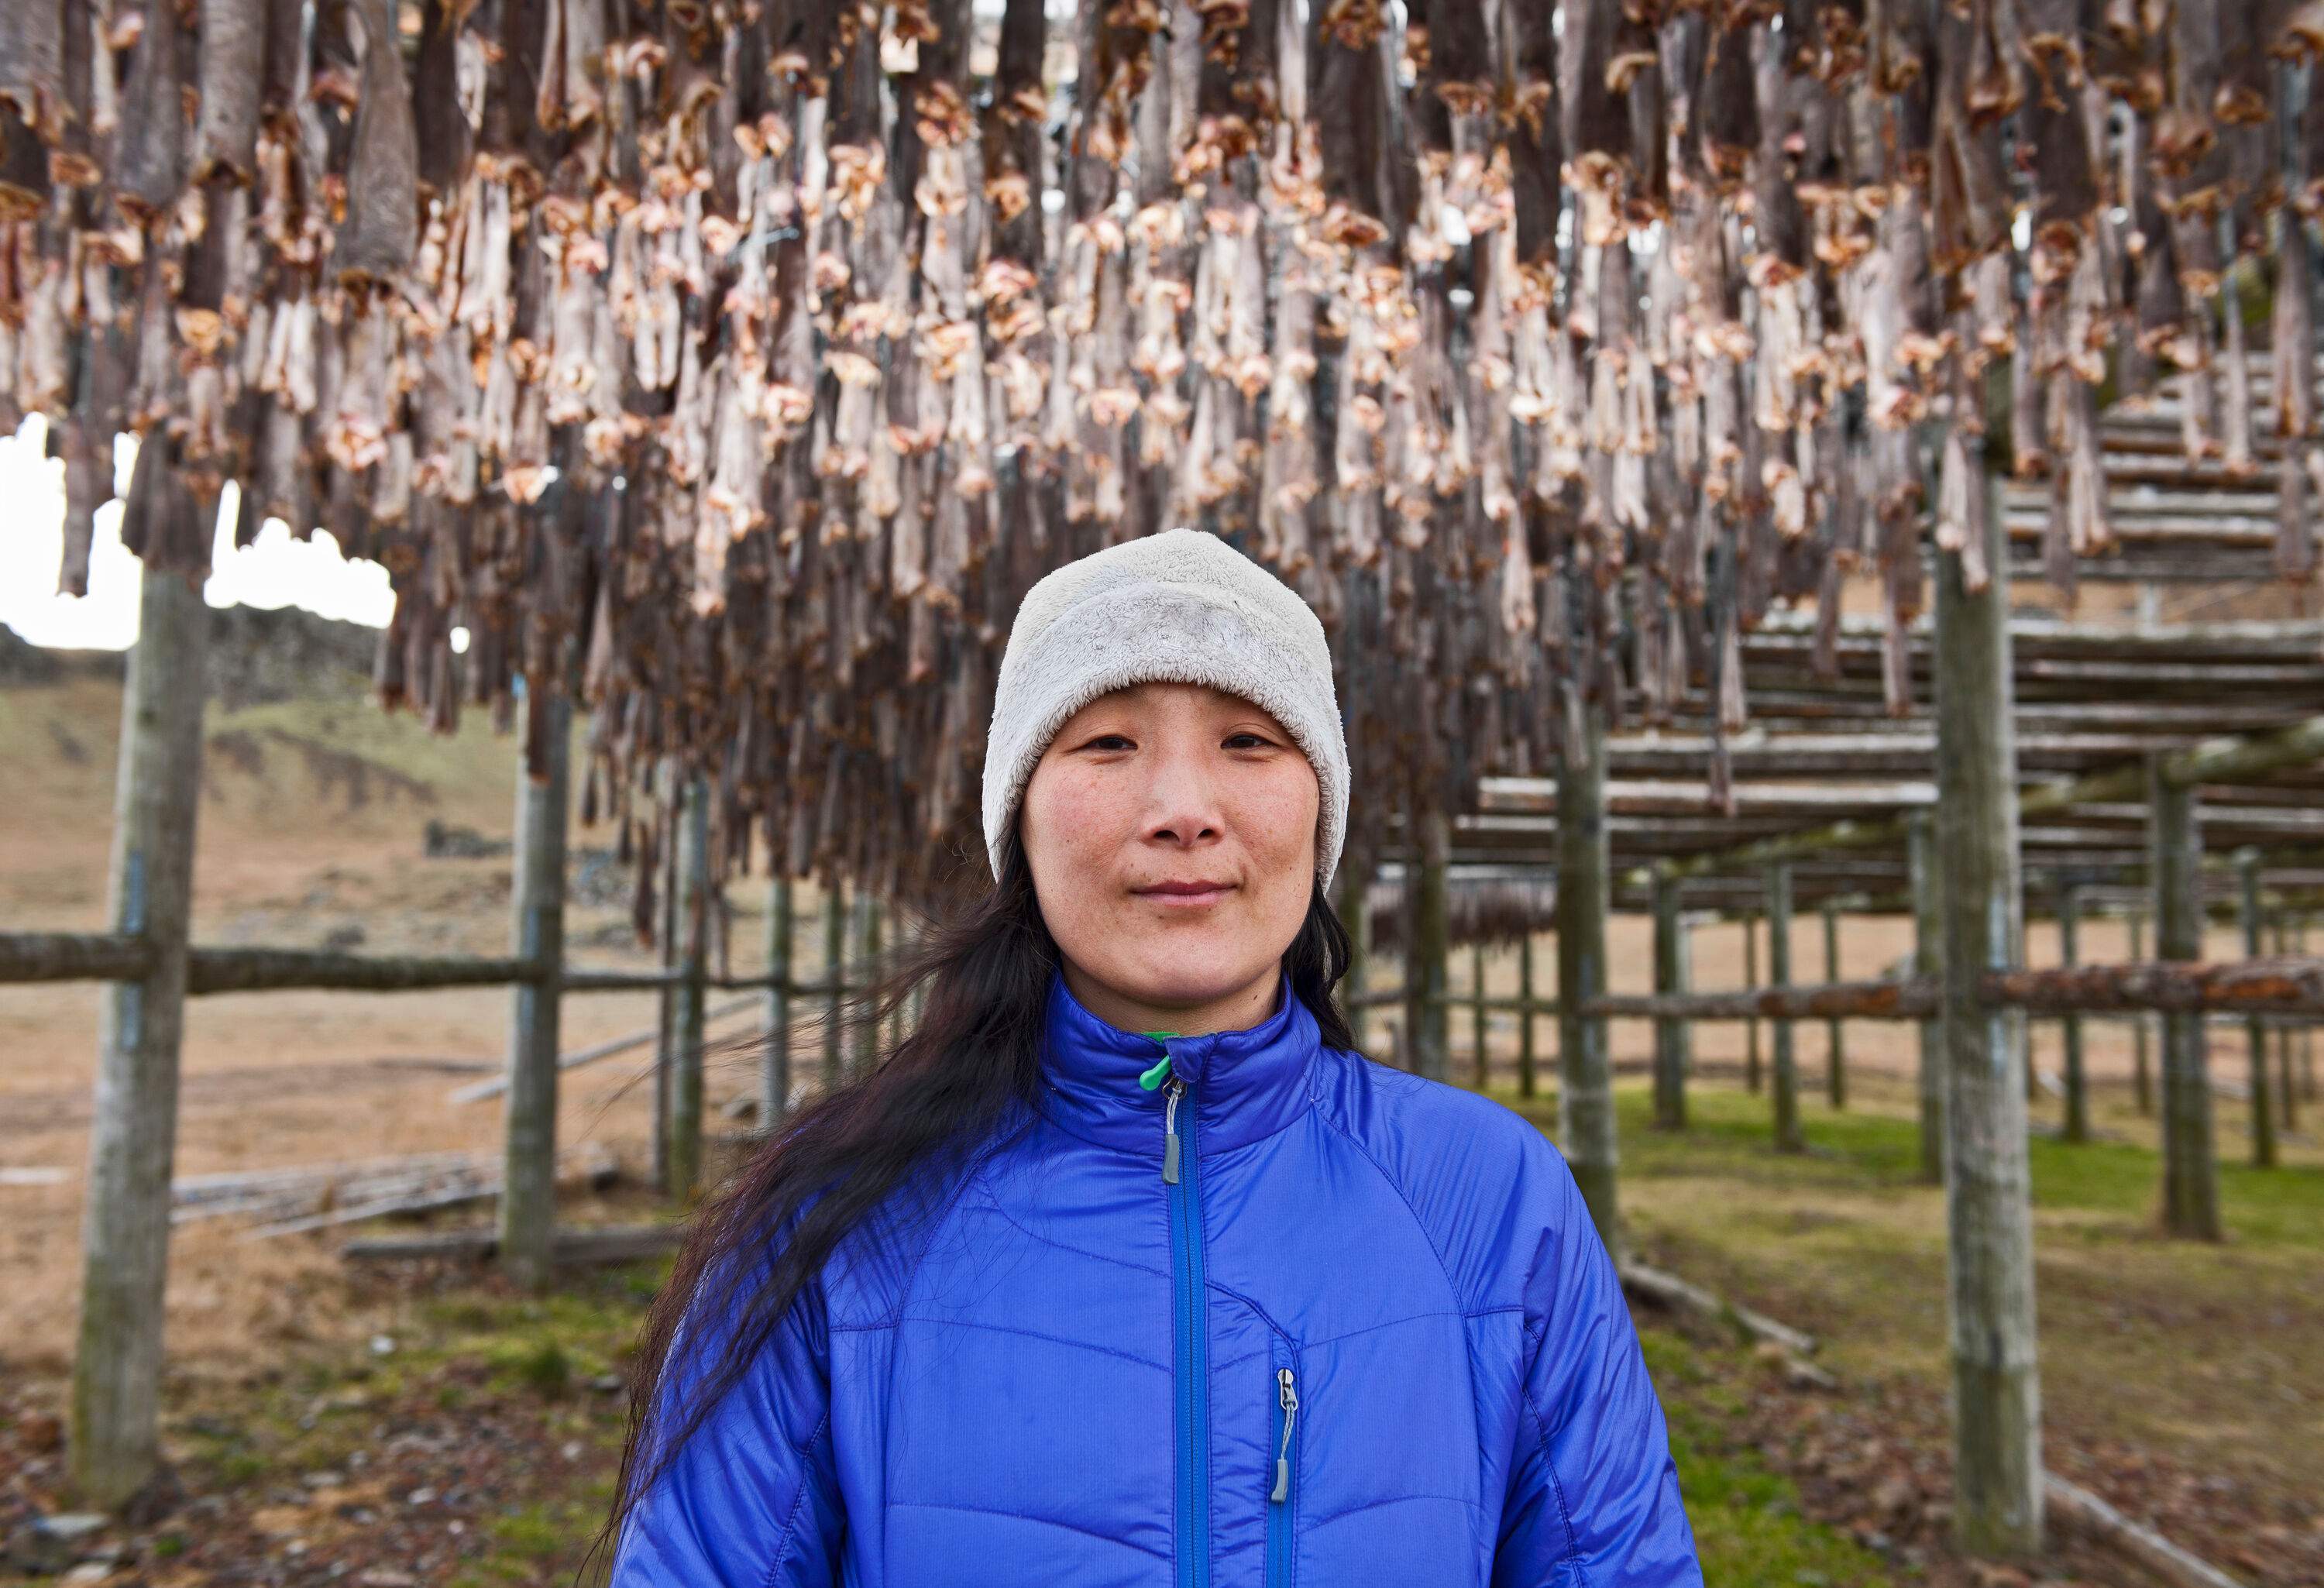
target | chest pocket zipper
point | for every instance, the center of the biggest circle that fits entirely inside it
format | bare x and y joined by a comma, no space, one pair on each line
1278,1508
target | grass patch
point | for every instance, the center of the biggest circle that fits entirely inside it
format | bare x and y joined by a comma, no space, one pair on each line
1748,1527
542,1367
2192,1351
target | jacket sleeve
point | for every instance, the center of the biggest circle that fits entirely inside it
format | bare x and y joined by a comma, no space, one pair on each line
1592,1499
751,1499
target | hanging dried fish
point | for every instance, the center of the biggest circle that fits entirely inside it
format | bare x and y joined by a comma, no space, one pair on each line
150,159
380,237
233,61
1527,416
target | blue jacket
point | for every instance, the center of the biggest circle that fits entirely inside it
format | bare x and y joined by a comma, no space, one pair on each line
1367,1337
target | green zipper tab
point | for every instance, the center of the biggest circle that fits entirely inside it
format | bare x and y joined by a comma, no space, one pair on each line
1152,1079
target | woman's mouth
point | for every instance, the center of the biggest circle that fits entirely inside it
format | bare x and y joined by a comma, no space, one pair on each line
1184,895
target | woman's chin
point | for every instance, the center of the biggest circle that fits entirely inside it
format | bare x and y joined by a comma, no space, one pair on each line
1183,986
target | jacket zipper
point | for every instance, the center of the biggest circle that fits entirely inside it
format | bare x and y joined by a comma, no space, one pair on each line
1190,1340
1278,1506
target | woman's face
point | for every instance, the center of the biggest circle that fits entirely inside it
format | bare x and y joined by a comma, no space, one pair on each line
1171,831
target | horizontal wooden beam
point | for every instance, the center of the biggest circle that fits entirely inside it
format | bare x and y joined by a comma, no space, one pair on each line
97,957
73,956
2255,986
2215,760
2248,986
273,969
569,1248
1914,1000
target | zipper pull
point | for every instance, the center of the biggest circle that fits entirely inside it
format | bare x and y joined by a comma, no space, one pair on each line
1288,1400
1170,1132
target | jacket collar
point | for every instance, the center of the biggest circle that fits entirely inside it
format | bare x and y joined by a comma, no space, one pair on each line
1241,1085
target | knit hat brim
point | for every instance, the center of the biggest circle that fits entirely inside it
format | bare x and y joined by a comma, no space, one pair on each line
1175,611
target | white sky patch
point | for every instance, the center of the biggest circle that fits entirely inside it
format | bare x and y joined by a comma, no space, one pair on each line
274,570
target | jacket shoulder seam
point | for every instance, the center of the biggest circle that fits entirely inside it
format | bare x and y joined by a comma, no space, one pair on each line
1427,1236
790,1523
1556,1487
887,1318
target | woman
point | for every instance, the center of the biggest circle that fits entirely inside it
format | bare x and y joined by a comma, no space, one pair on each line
1123,1269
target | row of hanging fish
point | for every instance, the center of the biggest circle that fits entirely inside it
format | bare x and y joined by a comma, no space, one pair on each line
738,365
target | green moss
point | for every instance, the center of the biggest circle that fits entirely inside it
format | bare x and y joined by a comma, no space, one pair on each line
540,1366
2140,1333
1863,1152
1748,1524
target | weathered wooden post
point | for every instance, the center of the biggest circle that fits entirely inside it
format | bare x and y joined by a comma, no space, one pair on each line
683,1157
775,1054
1928,960
834,968
1834,1040
2191,1173
2306,1033
665,1007
1670,1032
1997,1382
2288,1096
1751,980
1585,1093
1527,1081
1355,883
1427,1014
2142,1073
2069,1025
862,956
2263,1113
1784,1059
134,1126
528,1211
1477,1015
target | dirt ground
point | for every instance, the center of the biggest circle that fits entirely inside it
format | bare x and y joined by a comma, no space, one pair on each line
2187,1383
310,834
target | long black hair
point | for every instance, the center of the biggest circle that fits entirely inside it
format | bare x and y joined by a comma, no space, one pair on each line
923,1110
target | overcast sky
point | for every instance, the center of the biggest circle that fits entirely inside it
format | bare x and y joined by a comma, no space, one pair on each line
275,571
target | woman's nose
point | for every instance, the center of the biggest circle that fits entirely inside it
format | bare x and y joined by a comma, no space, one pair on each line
1183,805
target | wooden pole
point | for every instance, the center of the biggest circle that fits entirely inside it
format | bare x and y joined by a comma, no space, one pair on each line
834,968
1585,1093
1928,960
2140,1068
132,1130
2190,1176
2263,1113
1356,920
1835,1050
665,1007
1751,980
528,1210
1427,1015
2229,760
1527,1080
775,1055
1997,1384
863,953
2292,987
2069,1025
1670,1034
1783,1066
2288,1096
694,904
1477,1016
27,957
2307,1035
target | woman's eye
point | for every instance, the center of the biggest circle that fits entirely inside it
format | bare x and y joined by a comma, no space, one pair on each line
1247,740
1110,742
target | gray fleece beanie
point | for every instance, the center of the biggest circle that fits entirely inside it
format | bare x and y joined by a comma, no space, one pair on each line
1180,608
